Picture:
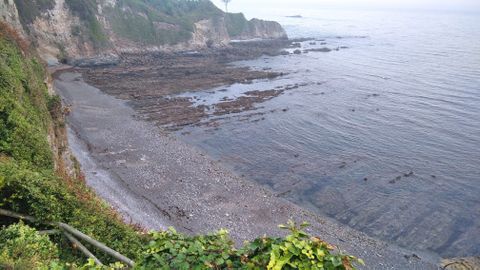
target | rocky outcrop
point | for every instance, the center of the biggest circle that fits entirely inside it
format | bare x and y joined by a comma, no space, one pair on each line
9,14
469,263
68,30
210,33
262,29
57,35
239,28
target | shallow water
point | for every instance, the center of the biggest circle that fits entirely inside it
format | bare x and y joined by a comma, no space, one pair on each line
383,135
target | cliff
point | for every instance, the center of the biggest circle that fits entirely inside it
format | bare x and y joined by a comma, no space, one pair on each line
64,30
240,29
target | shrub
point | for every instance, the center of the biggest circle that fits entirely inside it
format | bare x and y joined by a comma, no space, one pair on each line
22,247
49,198
236,23
171,250
7,32
36,193
23,111
54,105
300,251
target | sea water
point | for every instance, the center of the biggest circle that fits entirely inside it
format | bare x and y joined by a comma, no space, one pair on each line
383,132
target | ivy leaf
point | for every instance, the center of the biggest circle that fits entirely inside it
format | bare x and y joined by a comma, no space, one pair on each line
336,261
304,224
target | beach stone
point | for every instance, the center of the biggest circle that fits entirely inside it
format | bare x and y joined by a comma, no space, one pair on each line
468,263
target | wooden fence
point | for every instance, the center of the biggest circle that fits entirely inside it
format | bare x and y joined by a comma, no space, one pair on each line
72,234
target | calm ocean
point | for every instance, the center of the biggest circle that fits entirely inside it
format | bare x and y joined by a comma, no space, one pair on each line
382,135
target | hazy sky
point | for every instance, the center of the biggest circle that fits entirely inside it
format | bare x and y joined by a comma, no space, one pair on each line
453,5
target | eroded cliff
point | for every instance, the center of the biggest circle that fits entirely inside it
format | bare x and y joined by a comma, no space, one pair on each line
64,30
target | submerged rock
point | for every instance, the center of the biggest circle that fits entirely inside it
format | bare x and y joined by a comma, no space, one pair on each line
324,49
295,45
98,61
468,263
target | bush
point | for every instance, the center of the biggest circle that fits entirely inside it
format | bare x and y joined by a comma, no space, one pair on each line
300,251
24,116
22,247
8,33
236,24
48,198
36,193
171,250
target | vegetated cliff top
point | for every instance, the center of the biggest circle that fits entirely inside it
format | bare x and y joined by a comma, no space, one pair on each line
85,28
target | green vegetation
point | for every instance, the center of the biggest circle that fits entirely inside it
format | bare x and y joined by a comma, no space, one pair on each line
153,22
236,23
171,250
159,22
23,124
28,181
145,21
30,184
22,247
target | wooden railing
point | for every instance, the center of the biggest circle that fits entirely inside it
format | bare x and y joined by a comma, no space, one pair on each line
72,234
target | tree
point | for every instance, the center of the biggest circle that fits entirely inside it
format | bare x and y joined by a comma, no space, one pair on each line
226,4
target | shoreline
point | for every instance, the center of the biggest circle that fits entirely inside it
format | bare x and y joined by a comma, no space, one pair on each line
121,154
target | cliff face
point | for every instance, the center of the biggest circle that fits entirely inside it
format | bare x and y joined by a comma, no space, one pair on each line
263,29
240,29
73,29
9,14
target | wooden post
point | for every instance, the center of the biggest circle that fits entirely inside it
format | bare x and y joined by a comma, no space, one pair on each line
49,232
17,215
96,244
75,232
82,248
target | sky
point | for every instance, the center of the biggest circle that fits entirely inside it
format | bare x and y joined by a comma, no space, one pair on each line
438,5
